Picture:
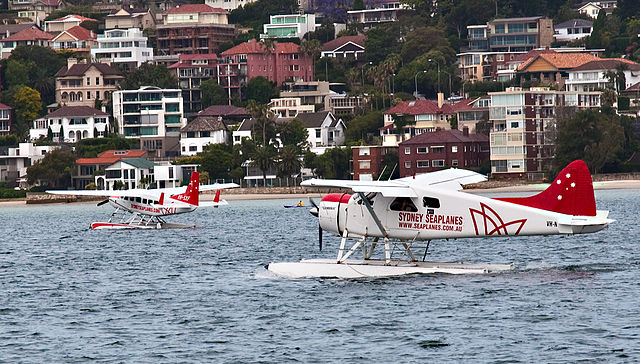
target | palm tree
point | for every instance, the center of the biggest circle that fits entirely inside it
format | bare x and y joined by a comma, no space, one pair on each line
310,48
264,157
263,117
289,162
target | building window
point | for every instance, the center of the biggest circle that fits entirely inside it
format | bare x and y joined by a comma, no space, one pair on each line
318,133
439,149
422,164
193,148
407,164
88,95
437,163
454,162
423,150
88,81
97,81
364,164
407,150
454,149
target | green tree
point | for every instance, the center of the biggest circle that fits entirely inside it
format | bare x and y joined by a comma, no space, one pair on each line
27,105
364,128
261,90
264,158
390,165
594,137
264,125
213,94
289,163
91,147
217,160
310,48
333,163
17,73
294,134
148,75
54,170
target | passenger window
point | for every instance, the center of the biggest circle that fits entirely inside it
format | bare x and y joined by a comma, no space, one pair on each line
138,199
431,202
403,204
144,201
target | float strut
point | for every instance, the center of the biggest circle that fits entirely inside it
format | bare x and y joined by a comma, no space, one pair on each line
426,250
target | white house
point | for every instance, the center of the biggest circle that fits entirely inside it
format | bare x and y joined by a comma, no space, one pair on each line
201,131
167,175
227,5
128,171
572,29
288,107
592,8
14,164
127,47
289,26
591,75
348,46
325,130
74,122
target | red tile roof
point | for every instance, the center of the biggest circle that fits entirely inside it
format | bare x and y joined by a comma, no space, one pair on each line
110,156
32,33
561,60
79,33
195,8
4,107
191,57
340,41
79,17
532,53
445,136
224,110
420,107
51,2
253,46
608,64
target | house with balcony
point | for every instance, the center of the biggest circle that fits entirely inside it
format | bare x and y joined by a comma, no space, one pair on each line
193,69
377,12
126,173
343,104
511,35
71,124
228,5
200,132
325,130
82,83
421,116
289,26
573,29
309,92
368,161
29,36
289,107
153,115
41,7
522,137
592,75
14,162
592,8
127,18
125,47
65,23
193,29
429,152
552,68
348,46
76,39
284,63
5,119
471,112
86,169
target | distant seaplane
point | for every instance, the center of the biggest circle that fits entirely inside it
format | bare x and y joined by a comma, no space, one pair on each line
146,209
399,214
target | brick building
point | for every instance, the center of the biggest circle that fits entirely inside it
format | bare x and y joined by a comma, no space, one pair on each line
367,161
440,149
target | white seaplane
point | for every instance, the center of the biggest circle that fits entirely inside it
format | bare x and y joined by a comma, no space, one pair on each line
401,213
146,209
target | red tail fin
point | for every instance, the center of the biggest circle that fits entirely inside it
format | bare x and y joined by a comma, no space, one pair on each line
217,198
570,193
192,193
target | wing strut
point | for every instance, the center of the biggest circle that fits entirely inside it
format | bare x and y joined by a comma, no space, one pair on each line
373,214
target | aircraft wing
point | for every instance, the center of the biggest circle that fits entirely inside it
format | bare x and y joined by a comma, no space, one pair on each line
202,188
154,194
449,179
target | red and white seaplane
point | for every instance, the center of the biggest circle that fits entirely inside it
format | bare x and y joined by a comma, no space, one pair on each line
146,209
401,213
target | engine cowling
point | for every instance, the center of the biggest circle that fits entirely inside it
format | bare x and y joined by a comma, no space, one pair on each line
332,212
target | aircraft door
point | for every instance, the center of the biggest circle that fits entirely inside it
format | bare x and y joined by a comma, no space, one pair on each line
403,217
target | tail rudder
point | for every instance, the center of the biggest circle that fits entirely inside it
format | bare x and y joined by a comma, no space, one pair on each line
571,193
217,197
192,194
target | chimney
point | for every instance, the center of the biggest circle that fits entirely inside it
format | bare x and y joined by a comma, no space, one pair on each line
440,100
465,131
71,62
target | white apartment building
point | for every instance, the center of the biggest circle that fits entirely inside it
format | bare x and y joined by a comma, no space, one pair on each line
289,107
289,26
71,124
153,115
592,75
15,161
227,5
127,47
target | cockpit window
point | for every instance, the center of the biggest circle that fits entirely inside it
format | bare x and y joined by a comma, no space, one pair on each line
431,202
403,204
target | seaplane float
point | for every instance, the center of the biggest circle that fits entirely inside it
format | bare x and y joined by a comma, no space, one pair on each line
146,208
407,214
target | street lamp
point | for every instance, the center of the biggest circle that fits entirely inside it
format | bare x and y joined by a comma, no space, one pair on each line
415,82
437,63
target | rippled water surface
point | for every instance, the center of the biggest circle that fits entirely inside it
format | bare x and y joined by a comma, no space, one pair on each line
69,294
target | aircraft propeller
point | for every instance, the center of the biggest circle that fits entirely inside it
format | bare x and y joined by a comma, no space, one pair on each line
314,212
103,202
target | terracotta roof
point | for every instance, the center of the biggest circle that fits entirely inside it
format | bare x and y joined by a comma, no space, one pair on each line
32,33
66,111
195,8
70,16
80,69
561,60
420,107
110,156
79,33
224,110
574,23
205,123
532,53
608,64
191,57
466,105
339,42
13,28
51,2
4,107
254,46
314,119
634,87
445,136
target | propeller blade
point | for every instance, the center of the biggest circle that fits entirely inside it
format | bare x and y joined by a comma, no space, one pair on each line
315,209
103,202
320,237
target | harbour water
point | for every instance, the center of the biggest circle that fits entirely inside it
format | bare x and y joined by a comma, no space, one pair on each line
69,294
